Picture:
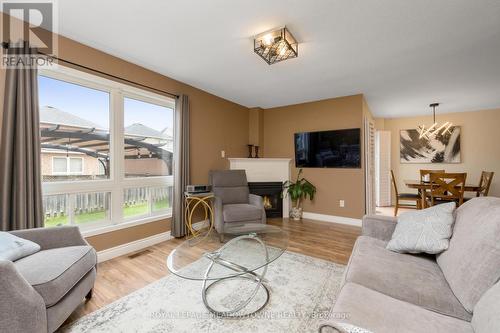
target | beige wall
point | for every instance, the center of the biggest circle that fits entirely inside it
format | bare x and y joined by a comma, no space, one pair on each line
367,113
123,236
332,185
480,146
216,124
256,128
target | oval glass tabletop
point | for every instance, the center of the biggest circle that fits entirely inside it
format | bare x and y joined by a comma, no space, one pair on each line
245,248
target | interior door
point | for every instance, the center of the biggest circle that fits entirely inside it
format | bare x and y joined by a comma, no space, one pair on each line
383,168
369,145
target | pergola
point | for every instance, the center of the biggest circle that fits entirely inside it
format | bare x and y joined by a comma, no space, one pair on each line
96,143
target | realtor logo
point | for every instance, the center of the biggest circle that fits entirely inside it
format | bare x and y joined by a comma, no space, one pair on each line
29,27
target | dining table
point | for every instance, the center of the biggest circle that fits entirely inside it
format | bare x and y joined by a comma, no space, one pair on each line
423,186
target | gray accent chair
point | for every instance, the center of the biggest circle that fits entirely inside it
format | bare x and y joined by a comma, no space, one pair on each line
39,292
233,202
456,291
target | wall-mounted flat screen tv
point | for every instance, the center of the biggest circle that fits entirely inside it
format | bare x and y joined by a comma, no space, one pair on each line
328,149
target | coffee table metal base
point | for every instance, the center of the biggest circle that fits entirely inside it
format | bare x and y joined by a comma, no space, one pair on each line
246,274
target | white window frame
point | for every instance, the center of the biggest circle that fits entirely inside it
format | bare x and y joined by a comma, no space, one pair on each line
53,164
68,166
117,182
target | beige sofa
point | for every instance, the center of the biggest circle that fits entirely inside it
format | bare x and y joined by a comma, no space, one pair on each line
456,291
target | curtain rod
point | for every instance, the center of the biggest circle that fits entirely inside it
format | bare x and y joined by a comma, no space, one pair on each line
5,45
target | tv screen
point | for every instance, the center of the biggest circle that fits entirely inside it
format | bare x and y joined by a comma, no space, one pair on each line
328,149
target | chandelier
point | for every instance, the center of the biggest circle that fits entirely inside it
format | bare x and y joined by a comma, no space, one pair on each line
435,129
275,45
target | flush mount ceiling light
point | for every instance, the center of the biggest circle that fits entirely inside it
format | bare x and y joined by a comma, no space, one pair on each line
276,45
435,129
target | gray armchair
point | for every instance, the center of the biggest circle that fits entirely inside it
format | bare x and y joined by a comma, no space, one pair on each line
233,202
40,291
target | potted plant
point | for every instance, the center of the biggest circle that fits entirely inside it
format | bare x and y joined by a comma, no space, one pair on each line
298,190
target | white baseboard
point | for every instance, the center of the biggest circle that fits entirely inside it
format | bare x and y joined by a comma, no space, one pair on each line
134,246
140,244
332,218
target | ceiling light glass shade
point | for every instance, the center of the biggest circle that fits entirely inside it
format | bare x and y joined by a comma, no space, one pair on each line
276,45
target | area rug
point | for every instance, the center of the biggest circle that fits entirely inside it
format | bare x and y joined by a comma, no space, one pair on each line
303,292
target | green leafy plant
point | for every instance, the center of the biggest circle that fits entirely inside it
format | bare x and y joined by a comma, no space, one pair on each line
299,190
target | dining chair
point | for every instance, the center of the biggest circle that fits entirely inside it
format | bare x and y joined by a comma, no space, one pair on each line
484,184
404,197
425,178
446,187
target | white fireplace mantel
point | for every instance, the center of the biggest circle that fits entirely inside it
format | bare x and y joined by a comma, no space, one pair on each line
265,170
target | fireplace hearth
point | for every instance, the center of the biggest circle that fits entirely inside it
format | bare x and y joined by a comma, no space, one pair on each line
271,192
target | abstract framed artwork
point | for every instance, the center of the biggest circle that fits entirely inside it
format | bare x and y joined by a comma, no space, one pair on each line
441,148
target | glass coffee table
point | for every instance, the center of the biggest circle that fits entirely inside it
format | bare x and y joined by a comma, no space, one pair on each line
243,257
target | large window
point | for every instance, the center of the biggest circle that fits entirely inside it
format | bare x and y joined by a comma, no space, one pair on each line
106,151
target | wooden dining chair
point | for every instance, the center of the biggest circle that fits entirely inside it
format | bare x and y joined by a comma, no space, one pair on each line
425,177
404,197
484,184
446,187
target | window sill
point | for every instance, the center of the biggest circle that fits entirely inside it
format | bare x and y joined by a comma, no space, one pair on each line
105,228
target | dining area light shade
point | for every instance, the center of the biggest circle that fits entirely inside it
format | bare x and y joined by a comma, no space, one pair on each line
435,129
276,45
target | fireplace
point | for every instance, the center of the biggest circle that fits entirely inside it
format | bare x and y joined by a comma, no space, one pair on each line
260,170
271,192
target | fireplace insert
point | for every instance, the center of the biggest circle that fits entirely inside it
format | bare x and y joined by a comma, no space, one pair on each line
271,192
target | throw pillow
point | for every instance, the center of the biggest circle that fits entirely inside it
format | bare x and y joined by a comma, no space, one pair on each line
13,248
427,230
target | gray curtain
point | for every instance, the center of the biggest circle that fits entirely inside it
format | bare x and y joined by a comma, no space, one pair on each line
181,164
20,179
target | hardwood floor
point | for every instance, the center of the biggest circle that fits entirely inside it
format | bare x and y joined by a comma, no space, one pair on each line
120,276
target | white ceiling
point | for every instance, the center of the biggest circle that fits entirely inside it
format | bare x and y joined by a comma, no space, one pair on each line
402,54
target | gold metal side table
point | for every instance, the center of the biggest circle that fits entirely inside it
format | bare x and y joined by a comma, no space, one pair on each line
192,201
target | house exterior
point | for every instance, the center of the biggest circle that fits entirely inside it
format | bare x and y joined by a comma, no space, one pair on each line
61,165
75,148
